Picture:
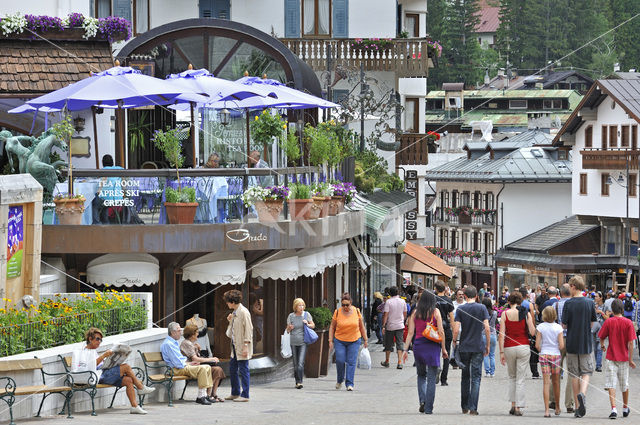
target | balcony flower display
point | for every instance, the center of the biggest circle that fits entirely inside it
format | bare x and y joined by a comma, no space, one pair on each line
433,136
372,44
474,212
452,253
268,201
434,48
346,190
111,28
300,202
321,194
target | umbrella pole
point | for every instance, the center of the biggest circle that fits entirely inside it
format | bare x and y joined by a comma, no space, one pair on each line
248,137
193,136
95,136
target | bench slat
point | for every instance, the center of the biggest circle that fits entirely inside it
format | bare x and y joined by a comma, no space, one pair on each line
15,365
160,377
37,389
153,357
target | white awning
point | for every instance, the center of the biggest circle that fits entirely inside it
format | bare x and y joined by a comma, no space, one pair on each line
123,270
337,254
311,262
283,266
360,253
217,267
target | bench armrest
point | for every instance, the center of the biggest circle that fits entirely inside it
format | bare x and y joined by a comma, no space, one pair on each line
86,377
138,372
9,386
68,380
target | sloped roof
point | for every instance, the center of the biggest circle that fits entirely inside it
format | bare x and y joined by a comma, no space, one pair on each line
625,92
381,207
499,118
524,164
488,19
34,67
427,258
552,236
508,94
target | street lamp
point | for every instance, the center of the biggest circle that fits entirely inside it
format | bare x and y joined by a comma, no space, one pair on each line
627,235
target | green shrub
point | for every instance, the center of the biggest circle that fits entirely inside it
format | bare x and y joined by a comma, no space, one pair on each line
322,317
187,194
299,191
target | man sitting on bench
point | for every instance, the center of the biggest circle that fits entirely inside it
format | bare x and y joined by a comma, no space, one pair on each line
118,376
173,357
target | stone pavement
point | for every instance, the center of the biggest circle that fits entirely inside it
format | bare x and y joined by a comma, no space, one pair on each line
380,396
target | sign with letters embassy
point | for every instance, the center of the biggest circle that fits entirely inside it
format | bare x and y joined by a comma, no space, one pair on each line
411,223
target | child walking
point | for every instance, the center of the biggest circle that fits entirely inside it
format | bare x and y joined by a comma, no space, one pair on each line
549,342
619,330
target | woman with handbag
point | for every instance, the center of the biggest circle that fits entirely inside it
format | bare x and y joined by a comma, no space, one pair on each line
516,325
426,322
193,352
345,333
296,323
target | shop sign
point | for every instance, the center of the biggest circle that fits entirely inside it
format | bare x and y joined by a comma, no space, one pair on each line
515,266
592,271
15,241
243,235
411,235
411,188
542,269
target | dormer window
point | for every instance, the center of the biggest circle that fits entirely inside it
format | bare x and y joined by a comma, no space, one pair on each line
552,104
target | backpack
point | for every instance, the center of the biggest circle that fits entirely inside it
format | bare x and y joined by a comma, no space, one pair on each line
628,304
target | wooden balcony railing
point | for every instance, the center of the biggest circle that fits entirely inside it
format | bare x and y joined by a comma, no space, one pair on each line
610,159
414,149
408,58
459,218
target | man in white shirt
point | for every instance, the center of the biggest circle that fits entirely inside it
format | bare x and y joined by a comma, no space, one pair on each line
395,315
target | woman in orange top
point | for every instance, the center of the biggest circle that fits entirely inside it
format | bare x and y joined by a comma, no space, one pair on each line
347,327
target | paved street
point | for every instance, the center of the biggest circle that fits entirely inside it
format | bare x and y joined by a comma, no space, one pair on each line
380,396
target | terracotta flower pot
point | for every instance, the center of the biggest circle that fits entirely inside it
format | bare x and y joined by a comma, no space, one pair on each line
181,212
269,210
316,207
69,210
326,205
336,205
300,209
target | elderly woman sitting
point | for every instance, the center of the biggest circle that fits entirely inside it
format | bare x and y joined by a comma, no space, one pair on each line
191,349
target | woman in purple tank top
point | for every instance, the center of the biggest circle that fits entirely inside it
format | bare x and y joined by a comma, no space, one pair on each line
426,353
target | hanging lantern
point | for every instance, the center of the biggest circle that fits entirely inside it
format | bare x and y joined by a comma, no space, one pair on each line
225,117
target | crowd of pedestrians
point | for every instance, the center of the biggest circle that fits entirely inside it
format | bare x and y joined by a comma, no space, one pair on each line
566,332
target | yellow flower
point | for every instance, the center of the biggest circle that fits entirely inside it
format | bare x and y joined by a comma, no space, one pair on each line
284,126
256,118
264,111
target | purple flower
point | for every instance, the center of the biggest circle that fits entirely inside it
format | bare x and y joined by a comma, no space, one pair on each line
42,23
76,19
112,26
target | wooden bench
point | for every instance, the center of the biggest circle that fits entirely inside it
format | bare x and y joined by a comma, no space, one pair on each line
92,386
159,373
9,390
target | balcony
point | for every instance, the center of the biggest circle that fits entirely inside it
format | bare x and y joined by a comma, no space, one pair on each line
413,149
125,212
465,216
457,257
408,58
609,159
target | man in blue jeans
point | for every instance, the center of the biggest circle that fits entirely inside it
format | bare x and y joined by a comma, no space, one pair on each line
474,319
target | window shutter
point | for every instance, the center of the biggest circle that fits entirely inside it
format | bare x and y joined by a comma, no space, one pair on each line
122,8
222,9
341,18
292,18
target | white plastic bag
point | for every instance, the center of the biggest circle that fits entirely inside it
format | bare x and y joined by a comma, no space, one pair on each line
285,346
364,359
83,360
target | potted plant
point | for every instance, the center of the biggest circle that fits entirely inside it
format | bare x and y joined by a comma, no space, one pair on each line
180,203
265,127
268,201
69,207
300,201
317,360
322,193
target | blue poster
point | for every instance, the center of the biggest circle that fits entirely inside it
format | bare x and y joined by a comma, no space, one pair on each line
15,242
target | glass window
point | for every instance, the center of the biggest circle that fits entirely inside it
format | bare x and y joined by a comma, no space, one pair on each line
518,104
141,23
583,184
604,186
102,8
588,137
316,17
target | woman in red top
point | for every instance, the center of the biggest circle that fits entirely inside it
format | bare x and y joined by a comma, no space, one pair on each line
514,349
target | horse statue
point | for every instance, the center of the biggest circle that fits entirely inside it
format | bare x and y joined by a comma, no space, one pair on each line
15,145
39,166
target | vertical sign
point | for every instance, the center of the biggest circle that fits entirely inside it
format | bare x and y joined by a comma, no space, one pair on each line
411,187
15,242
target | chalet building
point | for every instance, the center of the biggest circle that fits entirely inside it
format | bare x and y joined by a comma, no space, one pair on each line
483,199
602,134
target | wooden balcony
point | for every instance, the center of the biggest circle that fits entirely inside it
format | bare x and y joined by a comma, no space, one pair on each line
414,149
610,159
408,58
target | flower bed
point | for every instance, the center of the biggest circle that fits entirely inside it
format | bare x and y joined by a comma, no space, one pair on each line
111,28
59,321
